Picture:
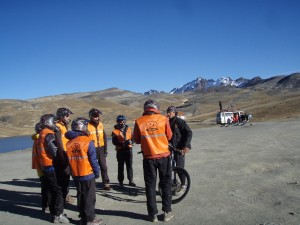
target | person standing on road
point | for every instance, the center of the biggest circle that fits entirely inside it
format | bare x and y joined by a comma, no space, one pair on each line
49,154
97,133
36,164
123,140
63,169
84,168
181,139
152,130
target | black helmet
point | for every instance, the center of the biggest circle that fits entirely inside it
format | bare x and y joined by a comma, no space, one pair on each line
62,112
171,109
94,111
48,120
80,124
120,118
38,127
151,104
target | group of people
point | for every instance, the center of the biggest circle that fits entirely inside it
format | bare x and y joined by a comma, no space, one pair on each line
80,153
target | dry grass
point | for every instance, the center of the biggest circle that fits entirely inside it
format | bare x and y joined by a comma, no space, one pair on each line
19,117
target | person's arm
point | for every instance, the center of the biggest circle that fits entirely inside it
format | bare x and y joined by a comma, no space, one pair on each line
93,159
187,135
136,134
50,144
169,132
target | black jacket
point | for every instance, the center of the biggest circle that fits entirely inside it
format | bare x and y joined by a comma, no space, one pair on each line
182,134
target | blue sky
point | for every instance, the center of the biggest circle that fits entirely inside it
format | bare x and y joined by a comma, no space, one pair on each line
50,47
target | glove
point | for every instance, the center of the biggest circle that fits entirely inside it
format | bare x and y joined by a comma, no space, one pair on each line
105,153
128,142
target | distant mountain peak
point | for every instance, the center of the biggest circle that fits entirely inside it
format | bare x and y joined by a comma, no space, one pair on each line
201,84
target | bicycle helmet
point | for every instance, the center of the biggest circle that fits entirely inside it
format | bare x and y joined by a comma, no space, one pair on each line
38,127
151,104
94,111
80,124
48,120
120,118
62,112
171,109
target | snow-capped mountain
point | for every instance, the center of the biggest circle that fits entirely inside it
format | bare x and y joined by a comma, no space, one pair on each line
203,84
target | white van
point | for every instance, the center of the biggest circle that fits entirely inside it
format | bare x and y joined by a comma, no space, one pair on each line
225,117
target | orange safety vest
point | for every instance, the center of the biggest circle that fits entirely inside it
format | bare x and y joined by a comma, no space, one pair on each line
153,134
78,158
45,159
35,158
97,134
63,130
121,137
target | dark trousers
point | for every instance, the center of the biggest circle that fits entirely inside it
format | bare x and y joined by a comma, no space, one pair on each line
56,202
63,177
102,163
124,157
180,161
86,199
45,192
163,166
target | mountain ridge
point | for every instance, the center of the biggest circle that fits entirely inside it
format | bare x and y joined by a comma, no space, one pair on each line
272,99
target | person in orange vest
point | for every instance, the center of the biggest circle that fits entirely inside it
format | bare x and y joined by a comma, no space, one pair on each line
81,152
97,133
152,130
63,169
37,166
49,154
123,140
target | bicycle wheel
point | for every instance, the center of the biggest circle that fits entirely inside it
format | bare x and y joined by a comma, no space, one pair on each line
179,189
181,184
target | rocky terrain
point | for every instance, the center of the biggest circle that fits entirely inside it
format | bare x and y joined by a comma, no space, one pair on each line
273,99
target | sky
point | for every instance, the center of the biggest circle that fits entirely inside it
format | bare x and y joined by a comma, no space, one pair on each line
52,47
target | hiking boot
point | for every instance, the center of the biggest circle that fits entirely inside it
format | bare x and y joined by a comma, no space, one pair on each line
132,184
62,218
152,218
168,216
107,187
95,222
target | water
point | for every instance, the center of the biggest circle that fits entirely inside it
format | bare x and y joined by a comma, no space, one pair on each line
15,143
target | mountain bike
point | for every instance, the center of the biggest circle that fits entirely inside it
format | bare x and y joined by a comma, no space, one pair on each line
181,180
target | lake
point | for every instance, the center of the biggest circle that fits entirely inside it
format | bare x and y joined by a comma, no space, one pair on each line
15,143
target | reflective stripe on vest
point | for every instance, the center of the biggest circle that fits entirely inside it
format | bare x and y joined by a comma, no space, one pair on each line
63,130
45,159
153,134
78,158
97,134
121,137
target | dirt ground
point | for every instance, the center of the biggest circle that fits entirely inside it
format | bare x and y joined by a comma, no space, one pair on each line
240,175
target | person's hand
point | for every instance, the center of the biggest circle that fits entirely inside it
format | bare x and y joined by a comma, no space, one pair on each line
105,153
97,176
184,151
127,143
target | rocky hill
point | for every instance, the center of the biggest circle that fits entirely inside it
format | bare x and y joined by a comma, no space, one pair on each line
273,99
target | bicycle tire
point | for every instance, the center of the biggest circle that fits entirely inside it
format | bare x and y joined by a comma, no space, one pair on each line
179,170
176,184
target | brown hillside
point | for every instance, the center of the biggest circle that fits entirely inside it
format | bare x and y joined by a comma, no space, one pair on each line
19,117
